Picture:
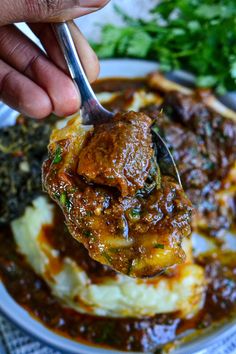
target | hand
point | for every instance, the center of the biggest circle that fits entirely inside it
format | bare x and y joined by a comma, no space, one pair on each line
32,82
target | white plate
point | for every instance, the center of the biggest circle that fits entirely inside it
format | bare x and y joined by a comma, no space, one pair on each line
9,308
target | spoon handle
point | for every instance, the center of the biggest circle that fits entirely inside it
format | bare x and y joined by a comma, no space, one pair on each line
92,111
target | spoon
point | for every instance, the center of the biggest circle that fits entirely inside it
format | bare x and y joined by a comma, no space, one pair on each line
92,111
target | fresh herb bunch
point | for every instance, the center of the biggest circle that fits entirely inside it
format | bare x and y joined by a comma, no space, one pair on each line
198,36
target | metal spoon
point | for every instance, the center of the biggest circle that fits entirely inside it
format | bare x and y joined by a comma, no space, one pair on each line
92,111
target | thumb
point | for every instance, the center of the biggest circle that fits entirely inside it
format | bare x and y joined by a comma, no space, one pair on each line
46,10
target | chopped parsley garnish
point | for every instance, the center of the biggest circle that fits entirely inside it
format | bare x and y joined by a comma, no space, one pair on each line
107,256
58,155
87,233
57,195
64,200
181,34
114,250
89,213
129,269
134,213
159,245
202,325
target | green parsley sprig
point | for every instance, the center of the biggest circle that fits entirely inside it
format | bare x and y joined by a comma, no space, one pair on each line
198,36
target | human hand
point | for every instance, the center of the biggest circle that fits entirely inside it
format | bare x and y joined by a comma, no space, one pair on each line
32,82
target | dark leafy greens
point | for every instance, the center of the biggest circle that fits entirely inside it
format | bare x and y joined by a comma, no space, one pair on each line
195,35
23,148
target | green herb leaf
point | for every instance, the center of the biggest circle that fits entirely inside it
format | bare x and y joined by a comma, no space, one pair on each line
87,233
135,213
159,245
206,81
107,257
57,157
198,36
139,44
64,200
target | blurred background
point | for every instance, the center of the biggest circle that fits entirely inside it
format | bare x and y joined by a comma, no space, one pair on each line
197,36
91,25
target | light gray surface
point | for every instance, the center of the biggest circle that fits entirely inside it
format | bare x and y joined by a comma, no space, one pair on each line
14,341
90,25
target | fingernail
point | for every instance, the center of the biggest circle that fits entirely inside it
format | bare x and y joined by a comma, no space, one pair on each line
69,4
70,9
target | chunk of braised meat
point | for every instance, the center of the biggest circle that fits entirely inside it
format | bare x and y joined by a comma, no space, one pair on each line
138,235
216,136
118,153
204,147
205,155
186,151
221,279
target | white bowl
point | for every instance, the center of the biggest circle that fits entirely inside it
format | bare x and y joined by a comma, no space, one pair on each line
218,339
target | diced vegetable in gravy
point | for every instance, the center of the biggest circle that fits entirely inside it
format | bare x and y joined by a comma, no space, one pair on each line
114,198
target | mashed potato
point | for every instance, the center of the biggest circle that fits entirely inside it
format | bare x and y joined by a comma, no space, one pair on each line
121,296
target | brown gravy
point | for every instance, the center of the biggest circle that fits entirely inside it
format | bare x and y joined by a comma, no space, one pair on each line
130,334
